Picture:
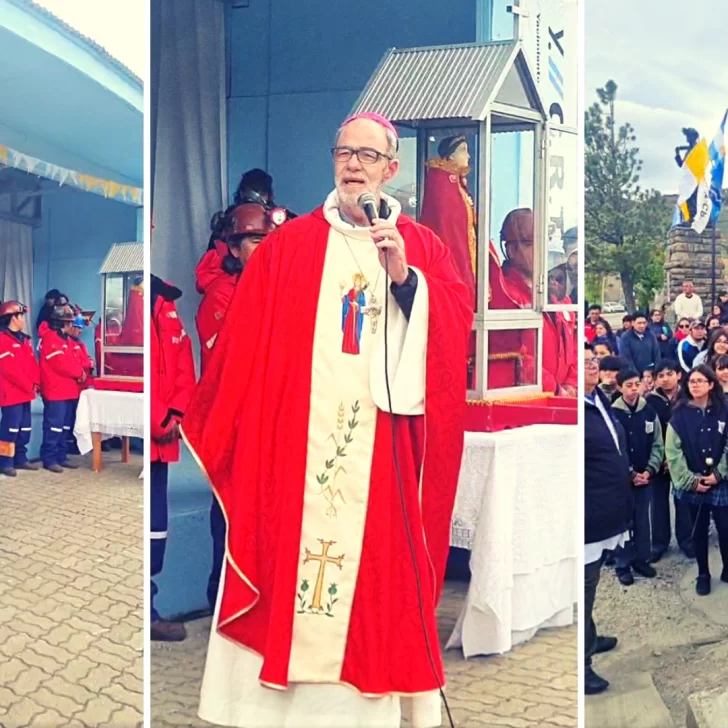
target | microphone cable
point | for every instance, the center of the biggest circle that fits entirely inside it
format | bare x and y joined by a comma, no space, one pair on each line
400,484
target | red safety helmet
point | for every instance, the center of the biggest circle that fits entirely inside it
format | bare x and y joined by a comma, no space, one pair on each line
12,308
250,218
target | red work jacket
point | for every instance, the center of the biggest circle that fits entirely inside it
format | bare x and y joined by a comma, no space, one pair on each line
217,288
19,375
173,377
60,371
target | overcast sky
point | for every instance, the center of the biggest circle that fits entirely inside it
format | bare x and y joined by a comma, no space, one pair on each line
117,25
669,59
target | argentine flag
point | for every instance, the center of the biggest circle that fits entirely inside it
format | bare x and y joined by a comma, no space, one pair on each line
717,157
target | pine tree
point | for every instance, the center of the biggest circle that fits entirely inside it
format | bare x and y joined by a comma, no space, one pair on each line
625,225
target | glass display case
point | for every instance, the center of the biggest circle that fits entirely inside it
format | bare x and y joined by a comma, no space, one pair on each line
120,332
487,169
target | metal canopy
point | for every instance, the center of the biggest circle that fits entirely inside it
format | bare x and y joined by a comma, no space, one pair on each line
450,82
124,258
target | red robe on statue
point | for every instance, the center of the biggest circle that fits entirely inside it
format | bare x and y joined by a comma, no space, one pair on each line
132,334
448,210
132,330
248,427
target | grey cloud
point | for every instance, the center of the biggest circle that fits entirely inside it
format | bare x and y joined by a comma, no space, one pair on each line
660,57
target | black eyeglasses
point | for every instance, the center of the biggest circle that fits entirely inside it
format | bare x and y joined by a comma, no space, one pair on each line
684,326
365,155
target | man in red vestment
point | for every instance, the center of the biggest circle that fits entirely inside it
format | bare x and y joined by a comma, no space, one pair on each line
559,372
252,425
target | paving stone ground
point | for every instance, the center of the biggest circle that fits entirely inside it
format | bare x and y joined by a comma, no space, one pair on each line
532,686
665,631
71,593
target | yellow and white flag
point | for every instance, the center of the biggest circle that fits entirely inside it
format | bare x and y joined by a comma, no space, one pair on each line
696,175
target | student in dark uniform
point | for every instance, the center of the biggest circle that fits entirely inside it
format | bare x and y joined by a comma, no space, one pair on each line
609,367
667,380
607,507
646,452
696,455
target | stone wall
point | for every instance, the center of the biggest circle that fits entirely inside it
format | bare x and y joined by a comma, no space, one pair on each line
689,258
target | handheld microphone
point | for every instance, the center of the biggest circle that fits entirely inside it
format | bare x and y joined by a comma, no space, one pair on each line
368,204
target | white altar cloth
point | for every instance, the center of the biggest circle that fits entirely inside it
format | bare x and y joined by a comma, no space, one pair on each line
517,510
119,414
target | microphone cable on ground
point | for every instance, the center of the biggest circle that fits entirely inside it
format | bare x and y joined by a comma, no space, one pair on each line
401,493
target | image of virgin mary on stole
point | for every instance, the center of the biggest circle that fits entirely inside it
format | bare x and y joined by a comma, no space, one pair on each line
352,316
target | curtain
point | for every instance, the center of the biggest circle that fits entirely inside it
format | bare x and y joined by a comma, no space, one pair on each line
188,138
16,265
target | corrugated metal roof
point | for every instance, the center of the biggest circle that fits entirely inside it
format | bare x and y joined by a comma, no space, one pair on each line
91,44
439,82
124,258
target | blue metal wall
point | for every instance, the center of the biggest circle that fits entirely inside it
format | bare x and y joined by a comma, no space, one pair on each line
296,69
78,230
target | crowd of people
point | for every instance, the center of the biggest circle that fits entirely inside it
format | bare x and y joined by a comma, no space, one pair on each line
655,425
57,374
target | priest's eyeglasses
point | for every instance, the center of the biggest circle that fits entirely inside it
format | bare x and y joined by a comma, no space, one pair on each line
364,154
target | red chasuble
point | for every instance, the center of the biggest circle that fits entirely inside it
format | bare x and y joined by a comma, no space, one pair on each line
248,426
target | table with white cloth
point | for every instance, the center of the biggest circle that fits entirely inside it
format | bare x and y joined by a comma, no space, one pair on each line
517,511
105,413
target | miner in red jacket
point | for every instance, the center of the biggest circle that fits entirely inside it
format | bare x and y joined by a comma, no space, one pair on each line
80,352
79,348
19,383
218,273
60,376
559,372
173,380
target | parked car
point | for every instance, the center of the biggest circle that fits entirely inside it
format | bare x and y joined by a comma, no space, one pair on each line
612,307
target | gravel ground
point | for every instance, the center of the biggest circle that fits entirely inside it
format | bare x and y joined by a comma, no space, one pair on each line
664,629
